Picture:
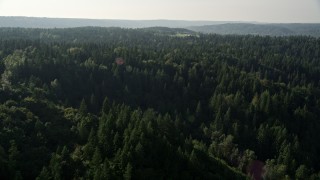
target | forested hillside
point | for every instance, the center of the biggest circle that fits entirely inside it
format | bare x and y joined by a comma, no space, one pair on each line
111,103
261,29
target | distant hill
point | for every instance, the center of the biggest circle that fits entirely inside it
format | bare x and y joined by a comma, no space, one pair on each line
35,22
303,29
243,28
260,29
169,31
217,27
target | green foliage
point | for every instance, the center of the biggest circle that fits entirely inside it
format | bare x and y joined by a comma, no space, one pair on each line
275,171
302,172
192,107
128,172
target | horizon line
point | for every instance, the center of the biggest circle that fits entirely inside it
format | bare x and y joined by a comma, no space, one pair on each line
160,19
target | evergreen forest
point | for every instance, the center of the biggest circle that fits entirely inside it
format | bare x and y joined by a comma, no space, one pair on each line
157,103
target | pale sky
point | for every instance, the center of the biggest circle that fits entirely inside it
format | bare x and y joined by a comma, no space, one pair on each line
215,10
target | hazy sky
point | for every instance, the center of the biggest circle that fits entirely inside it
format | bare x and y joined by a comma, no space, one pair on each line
217,10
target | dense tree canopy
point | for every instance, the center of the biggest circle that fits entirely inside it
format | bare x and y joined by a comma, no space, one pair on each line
177,107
